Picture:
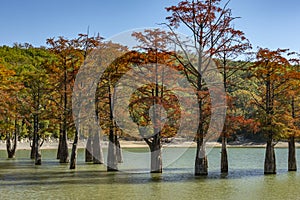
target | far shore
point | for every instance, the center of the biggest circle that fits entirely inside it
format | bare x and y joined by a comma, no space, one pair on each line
142,144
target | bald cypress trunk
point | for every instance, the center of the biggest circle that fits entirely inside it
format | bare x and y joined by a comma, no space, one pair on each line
38,154
89,150
64,151
224,158
201,163
292,163
36,123
33,147
201,166
74,152
270,161
154,144
97,150
11,145
119,151
156,158
59,142
112,162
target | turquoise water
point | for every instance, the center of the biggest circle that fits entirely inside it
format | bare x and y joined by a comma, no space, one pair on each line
21,179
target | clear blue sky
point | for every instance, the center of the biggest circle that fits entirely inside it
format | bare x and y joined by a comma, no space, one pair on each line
267,23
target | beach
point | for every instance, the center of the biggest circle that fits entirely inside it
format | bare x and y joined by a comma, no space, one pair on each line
141,144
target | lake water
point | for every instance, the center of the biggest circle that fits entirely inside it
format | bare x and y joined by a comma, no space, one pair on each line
21,179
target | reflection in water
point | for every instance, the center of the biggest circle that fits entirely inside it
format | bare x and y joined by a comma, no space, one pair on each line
21,179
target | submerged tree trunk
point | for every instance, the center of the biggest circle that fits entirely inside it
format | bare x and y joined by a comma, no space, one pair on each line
11,148
119,150
156,157
36,146
112,162
88,149
201,159
74,152
38,154
292,163
33,147
112,159
97,154
201,162
59,142
224,158
270,161
64,151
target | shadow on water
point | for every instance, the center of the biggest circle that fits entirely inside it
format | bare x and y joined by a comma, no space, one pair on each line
52,173
22,171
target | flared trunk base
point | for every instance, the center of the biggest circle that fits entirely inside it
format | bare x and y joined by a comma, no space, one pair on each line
270,161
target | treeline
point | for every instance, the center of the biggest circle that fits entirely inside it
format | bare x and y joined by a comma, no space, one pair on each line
261,91
36,87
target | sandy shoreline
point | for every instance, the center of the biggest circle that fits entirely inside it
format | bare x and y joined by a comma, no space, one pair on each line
138,144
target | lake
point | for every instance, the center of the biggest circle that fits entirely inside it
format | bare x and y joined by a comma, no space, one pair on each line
21,179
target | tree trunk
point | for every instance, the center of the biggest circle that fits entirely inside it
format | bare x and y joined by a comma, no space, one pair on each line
59,142
64,152
88,149
292,163
112,162
97,150
74,152
36,122
8,146
224,158
38,155
33,147
156,157
11,150
119,150
270,162
201,163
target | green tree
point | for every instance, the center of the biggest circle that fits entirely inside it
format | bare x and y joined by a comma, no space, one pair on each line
69,60
8,100
32,89
271,70
291,106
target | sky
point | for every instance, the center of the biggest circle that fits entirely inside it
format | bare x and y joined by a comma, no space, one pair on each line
267,23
